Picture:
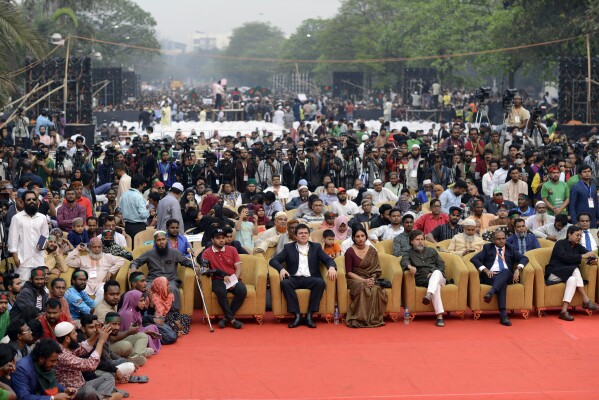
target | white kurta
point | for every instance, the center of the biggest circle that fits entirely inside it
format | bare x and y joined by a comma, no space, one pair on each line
23,236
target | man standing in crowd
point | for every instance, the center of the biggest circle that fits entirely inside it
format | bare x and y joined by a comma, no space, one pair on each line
133,207
169,207
26,229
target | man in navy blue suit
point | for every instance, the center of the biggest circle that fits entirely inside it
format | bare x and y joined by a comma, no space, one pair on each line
302,271
522,239
495,263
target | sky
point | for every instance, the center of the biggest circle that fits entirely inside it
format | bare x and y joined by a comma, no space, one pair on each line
177,19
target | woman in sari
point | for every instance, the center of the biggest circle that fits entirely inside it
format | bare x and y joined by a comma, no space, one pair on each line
130,313
368,300
162,299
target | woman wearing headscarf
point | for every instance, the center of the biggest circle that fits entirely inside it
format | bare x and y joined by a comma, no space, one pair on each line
341,228
208,204
162,300
189,208
262,218
133,303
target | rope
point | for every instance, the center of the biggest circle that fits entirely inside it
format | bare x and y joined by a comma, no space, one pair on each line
357,61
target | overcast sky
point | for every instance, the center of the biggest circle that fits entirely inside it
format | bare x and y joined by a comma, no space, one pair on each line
177,19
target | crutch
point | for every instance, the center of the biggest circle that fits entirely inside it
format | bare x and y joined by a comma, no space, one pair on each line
197,273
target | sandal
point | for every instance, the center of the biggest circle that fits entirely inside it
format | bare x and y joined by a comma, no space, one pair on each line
138,379
180,333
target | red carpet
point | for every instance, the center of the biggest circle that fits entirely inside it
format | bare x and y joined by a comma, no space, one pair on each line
534,359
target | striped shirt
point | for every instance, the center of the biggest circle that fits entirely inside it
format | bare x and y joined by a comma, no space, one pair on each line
445,231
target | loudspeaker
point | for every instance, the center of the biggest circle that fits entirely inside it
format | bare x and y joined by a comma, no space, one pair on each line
86,130
112,94
131,85
347,83
79,90
572,99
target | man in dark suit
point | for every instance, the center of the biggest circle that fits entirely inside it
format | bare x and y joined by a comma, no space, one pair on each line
302,271
495,263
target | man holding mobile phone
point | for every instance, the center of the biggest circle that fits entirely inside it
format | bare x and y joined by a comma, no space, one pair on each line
26,228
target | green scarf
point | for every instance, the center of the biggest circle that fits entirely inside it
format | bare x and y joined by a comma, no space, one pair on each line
4,322
47,380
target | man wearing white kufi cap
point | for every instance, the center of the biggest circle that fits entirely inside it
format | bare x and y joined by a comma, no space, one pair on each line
466,242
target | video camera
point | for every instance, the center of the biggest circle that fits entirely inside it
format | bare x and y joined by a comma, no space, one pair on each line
508,98
482,94
206,270
97,150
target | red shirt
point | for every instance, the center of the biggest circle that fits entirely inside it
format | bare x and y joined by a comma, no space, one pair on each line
223,260
49,330
85,203
427,223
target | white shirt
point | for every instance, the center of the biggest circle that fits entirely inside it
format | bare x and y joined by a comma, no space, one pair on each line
347,243
384,232
23,236
350,208
118,239
124,186
282,192
533,222
489,183
500,176
384,195
583,240
303,269
352,193
295,193
495,266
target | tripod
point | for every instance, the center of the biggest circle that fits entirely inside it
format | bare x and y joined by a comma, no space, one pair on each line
482,115
198,273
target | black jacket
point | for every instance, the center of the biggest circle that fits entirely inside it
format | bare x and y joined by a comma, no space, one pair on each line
290,256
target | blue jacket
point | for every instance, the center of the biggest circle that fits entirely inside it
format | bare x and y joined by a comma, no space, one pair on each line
530,241
488,254
24,381
579,202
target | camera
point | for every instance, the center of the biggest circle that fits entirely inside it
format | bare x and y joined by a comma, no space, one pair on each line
205,268
508,98
482,94
97,151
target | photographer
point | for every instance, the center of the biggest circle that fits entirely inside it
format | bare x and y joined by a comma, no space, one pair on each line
293,170
267,168
21,129
44,163
208,171
536,127
226,167
167,170
351,164
517,116
148,167
373,167
332,164
43,120
189,173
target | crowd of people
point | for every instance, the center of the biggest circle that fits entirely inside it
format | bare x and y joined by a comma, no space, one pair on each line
323,190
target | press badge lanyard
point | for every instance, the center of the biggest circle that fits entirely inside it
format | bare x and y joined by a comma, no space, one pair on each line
591,202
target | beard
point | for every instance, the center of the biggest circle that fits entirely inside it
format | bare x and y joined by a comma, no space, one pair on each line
73,345
31,209
469,239
415,156
162,251
419,247
95,256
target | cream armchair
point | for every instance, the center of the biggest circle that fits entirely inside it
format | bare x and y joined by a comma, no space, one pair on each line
454,295
279,304
552,295
391,271
253,274
519,295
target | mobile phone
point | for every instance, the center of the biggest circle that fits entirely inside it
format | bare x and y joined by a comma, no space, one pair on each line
41,242
250,213
134,324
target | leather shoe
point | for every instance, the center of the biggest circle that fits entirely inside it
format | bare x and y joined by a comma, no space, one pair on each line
222,323
589,305
426,300
440,322
488,297
566,316
296,322
505,321
309,321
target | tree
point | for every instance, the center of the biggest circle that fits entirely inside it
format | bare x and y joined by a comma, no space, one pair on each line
17,39
252,39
